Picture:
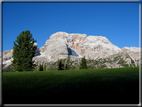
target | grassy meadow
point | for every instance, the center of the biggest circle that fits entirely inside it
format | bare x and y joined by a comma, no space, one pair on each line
86,86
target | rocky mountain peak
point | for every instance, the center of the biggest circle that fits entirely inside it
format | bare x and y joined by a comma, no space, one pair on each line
58,35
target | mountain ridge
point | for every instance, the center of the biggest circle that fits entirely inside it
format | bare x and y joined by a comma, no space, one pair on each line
60,45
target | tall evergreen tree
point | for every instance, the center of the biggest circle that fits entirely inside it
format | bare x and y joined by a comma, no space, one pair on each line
60,65
68,63
83,64
23,52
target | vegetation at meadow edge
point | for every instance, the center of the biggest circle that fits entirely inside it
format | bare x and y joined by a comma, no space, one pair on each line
67,64
85,86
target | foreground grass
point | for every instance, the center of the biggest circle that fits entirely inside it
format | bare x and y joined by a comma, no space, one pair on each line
91,86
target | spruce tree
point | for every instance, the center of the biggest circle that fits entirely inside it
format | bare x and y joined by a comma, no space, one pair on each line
60,65
83,64
68,63
41,67
23,52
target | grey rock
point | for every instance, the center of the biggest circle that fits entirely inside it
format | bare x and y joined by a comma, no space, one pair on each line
56,49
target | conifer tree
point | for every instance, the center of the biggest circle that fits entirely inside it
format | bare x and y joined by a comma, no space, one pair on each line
68,63
41,67
83,64
23,52
60,65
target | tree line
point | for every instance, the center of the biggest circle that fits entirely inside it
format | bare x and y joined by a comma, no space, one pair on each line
62,64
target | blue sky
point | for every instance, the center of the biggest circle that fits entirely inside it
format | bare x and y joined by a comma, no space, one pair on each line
119,22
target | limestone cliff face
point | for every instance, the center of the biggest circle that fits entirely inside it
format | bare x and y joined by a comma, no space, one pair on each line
134,53
57,49
97,47
73,40
62,44
81,45
7,55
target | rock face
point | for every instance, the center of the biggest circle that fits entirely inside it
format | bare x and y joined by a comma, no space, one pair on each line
81,45
97,47
124,59
72,40
57,49
61,45
7,57
133,52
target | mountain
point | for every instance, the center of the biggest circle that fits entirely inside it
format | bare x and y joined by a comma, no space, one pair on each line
61,45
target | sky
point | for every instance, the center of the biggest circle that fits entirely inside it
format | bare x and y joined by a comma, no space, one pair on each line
118,22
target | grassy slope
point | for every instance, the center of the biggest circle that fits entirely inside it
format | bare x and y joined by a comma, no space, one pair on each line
91,86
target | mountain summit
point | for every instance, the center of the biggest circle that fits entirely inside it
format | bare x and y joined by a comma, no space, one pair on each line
79,45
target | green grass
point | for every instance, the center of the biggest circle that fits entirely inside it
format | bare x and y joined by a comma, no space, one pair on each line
87,86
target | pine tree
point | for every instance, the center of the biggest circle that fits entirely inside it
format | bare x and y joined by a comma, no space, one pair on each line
68,63
23,52
60,65
41,67
83,64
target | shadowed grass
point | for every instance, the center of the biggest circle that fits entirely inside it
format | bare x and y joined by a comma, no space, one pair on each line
87,86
